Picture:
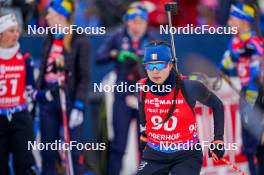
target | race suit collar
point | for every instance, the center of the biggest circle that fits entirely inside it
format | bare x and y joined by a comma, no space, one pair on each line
246,35
8,53
171,81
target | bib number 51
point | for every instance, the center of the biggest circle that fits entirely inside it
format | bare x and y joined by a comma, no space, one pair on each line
4,84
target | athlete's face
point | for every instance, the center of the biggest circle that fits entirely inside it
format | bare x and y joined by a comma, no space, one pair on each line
159,76
241,25
54,19
9,38
137,26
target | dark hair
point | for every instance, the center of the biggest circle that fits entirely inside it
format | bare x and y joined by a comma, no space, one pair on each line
178,82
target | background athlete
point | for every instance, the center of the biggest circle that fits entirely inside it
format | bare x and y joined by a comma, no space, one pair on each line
125,47
16,84
243,58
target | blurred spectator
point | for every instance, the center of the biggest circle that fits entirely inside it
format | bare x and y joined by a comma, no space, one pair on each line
210,3
157,15
125,48
207,10
111,11
42,4
86,14
187,13
244,56
28,10
6,7
63,55
223,11
25,10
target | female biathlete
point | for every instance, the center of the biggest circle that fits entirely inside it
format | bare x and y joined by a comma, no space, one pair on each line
16,80
167,119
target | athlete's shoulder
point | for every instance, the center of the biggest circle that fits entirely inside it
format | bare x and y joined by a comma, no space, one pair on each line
26,57
120,31
192,85
116,35
256,43
141,83
254,38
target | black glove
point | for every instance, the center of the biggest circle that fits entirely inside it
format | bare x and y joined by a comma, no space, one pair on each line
248,50
143,142
55,90
216,149
52,93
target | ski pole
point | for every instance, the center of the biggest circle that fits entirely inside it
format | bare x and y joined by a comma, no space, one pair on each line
171,8
61,80
227,162
229,82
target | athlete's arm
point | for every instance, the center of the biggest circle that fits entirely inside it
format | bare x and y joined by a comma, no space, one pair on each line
105,53
82,70
255,50
196,91
31,90
142,120
228,64
30,81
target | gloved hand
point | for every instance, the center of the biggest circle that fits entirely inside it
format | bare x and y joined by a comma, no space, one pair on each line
248,50
52,93
143,141
60,63
217,148
42,96
125,55
76,116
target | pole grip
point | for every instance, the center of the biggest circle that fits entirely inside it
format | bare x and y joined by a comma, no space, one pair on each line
174,59
172,7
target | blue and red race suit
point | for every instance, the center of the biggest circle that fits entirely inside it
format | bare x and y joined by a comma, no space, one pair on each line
244,58
12,81
181,128
17,83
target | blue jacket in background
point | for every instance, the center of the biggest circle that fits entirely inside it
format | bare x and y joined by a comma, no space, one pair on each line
120,40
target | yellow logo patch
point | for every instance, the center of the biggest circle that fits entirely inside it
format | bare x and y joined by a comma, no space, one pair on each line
67,5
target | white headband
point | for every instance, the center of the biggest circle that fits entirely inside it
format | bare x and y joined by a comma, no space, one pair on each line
7,21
